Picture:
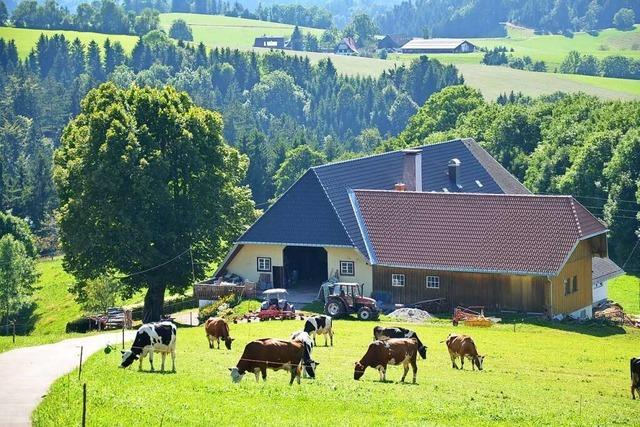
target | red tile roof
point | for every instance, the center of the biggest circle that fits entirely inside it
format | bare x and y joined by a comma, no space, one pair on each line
525,234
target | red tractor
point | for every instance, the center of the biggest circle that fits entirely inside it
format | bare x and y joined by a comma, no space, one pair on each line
345,299
276,305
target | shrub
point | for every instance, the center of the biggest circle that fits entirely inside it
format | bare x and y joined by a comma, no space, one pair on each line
219,306
624,19
180,30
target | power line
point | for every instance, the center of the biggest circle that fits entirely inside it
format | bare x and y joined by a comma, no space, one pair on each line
631,254
156,266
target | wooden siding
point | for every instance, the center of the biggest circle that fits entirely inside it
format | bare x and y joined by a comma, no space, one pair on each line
579,265
499,291
494,291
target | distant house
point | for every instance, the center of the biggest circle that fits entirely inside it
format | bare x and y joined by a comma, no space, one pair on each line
273,42
603,270
419,45
347,46
392,41
440,221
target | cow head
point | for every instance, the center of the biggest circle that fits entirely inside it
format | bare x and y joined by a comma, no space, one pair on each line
128,358
310,367
358,372
236,376
423,351
227,342
478,361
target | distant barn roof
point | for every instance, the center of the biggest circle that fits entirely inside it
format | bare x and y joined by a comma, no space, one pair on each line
604,269
419,43
517,234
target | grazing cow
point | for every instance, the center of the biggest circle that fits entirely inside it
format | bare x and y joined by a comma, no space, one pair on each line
160,337
306,340
216,329
394,351
320,325
635,376
274,354
382,333
463,346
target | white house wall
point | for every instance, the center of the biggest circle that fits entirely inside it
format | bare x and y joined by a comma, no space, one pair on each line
363,271
245,262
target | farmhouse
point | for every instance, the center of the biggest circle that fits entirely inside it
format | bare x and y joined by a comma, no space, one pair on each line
274,42
419,45
392,41
347,46
443,220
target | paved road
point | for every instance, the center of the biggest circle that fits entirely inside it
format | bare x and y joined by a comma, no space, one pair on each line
27,373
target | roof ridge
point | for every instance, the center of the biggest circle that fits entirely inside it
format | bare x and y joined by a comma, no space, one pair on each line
575,217
449,193
420,147
335,211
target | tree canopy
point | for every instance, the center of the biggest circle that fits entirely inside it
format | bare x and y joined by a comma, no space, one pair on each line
146,171
180,30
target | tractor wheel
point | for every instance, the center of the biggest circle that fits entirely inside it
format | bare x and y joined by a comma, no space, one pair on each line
365,313
334,309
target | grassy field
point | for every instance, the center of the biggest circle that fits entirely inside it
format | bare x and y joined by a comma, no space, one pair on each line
626,291
225,31
537,375
554,48
26,39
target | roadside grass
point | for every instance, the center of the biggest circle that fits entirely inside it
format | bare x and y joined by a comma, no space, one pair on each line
226,31
26,38
626,291
548,374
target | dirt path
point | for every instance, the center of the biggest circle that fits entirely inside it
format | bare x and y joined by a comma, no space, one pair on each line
27,373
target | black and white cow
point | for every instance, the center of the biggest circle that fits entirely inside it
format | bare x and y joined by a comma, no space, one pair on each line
319,325
307,361
382,333
635,376
160,337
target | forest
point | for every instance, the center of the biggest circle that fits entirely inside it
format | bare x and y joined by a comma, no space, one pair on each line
270,104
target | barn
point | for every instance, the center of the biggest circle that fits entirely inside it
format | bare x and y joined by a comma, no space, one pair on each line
419,45
273,42
392,41
440,221
346,46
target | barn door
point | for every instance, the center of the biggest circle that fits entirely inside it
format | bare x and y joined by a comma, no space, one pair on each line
278,277
398,294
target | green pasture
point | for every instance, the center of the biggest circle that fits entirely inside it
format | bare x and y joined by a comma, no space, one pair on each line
546,374
27,38
626,291
226,31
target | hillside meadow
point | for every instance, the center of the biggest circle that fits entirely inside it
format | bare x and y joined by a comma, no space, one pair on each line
538,375
226,31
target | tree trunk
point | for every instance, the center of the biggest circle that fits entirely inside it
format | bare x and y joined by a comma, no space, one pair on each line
153,302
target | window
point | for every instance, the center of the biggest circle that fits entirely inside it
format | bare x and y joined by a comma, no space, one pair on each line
598,285
264,264
347,268
397,280
567,286
575,284
433,282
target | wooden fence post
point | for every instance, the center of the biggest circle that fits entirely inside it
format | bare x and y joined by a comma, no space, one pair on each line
13,324
84,404
80,367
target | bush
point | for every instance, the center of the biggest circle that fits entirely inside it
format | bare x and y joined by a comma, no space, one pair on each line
218,307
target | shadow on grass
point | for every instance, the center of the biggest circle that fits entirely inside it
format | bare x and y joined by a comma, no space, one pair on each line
25,320
594,328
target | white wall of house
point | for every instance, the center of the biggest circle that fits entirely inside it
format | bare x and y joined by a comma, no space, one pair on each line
245,264
600,292
363,271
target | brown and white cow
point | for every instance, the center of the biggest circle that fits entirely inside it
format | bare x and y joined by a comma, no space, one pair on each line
463,346
217,329
635,376
276,354
395,351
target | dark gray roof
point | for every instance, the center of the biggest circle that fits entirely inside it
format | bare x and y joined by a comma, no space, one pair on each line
317,210
604,269
301,216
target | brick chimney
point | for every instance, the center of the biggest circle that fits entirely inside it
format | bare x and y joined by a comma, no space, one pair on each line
412,169
454,173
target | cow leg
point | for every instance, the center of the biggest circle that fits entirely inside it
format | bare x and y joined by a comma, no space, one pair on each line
405,365
173,360
331,335
453,360
314,339
633,392
210,338
462,362
414,366
164,356
256,372
140,362
325,340
382,371
151,360
264,373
